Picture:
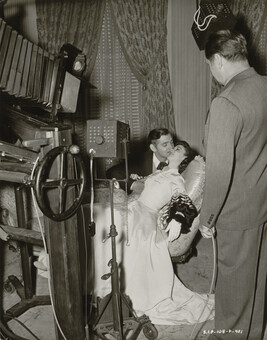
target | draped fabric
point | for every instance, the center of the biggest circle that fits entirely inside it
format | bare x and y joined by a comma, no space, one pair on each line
118,94
252,22
141,27
79,23
252,19
76,22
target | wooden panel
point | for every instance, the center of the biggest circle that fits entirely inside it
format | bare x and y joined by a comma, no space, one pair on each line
32,71
18,76
64,250
4,47
43,76
53,80
62,240
14,64
48,78
26,70
24,235
2,30
70,92
38,74
8,60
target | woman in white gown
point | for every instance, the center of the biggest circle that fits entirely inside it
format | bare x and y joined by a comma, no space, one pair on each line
146,271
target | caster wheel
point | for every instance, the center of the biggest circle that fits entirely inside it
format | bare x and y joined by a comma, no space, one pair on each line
150,331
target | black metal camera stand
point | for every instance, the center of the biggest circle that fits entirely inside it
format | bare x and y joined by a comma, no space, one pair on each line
115,316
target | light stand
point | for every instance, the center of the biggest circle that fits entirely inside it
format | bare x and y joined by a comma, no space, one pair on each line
115,315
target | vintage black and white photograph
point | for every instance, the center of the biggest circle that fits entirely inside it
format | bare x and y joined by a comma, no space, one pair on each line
133,169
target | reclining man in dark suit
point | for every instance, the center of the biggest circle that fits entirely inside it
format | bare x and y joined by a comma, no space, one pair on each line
160,143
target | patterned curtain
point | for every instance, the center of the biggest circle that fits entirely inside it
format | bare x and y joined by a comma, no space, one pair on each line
76,22
118,94
252,22
141,27
79,23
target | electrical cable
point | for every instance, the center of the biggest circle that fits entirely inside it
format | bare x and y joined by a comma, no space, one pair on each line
91,152
212,286
86,264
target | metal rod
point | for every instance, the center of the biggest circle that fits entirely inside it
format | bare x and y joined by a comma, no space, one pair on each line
126,160
116,304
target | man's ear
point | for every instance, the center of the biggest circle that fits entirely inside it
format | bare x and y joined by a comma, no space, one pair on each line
152,147
219,60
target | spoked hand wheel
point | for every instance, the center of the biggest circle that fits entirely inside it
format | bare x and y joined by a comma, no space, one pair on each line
60,197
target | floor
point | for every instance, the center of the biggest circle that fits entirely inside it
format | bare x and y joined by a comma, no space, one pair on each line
196,274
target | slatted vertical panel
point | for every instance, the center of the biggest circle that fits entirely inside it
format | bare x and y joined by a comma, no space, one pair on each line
190,75
118,94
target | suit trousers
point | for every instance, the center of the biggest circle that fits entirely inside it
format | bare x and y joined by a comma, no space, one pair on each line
240,295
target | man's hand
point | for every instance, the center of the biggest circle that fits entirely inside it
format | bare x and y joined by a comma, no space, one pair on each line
174,229
136,177
206,232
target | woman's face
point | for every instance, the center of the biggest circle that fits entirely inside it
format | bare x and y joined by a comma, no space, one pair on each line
177,154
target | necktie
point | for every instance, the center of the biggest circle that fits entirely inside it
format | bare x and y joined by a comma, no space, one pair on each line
161,165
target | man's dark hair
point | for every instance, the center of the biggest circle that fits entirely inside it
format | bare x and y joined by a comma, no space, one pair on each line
189,153
232,45
156,134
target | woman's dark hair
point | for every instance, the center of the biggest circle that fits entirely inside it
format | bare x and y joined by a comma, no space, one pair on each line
189,153
231,45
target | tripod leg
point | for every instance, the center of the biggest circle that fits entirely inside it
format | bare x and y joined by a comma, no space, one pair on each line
117,317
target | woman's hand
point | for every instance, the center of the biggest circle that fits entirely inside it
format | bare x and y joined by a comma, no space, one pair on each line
174,229
207,232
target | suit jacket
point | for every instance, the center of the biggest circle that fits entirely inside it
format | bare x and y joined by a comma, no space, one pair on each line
141,165
235,193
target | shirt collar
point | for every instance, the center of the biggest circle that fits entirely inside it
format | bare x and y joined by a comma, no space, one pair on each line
242,75
156,161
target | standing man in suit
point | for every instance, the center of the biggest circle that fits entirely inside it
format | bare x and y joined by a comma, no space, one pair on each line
235,193
160,143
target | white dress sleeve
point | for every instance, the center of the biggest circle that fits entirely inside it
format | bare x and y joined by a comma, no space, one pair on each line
178,184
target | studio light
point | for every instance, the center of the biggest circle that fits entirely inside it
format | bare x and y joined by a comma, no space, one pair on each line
76,60
211,16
